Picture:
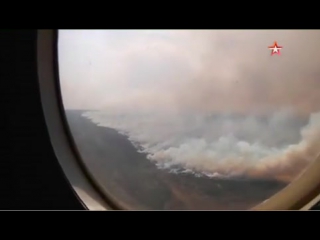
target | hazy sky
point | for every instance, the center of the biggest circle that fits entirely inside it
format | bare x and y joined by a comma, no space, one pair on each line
200,70
181,77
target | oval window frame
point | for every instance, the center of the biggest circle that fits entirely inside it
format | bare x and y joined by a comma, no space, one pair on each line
295,196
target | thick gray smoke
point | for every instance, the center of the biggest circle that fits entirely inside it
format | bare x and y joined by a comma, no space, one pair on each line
279,146
210,102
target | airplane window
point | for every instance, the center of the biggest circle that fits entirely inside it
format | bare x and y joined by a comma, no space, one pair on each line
192,119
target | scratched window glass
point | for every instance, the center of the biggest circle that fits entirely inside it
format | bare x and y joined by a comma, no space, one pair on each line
192,119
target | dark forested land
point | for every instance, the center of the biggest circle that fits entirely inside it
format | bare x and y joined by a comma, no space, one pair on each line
138,184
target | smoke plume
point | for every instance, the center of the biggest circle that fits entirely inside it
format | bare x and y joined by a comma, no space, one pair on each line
208,102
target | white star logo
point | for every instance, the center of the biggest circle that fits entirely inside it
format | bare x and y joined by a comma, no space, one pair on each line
275,49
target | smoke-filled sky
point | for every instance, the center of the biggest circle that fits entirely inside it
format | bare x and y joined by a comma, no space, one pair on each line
212,101
202,70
